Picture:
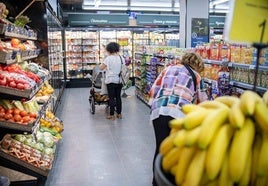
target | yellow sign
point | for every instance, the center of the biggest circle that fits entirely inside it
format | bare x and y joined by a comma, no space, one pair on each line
247,21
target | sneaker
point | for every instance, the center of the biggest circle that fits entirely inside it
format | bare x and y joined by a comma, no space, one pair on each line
110,117
119,116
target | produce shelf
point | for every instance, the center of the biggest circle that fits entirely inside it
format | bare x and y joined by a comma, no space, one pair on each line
31,127
29,93
24,164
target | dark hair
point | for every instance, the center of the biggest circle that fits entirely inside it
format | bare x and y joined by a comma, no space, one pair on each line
113,47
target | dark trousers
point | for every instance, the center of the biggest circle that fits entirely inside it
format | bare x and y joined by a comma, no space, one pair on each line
114,93
161,131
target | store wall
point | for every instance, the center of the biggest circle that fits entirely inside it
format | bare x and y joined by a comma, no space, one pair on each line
191,9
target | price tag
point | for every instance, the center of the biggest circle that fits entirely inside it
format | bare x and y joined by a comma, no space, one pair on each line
19,57
251,67
247,21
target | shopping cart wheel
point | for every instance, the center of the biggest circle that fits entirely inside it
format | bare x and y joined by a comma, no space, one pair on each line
92,105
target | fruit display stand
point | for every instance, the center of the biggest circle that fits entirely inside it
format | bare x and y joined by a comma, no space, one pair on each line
20,112
217,142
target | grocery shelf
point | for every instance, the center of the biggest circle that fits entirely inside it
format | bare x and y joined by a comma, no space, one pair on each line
247,86
215,62
261,67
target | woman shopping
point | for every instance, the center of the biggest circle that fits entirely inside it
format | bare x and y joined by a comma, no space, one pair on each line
176,85
112,64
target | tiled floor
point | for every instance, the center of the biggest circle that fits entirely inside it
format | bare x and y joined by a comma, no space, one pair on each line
98,152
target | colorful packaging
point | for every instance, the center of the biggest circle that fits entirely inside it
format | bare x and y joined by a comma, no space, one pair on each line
224,52
214,51
224,82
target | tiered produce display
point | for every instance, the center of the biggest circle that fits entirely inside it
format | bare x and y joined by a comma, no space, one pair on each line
29,130
221,142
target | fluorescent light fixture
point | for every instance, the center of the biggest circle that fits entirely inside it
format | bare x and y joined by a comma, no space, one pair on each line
86,7
97,3
167,9
149,4
217,2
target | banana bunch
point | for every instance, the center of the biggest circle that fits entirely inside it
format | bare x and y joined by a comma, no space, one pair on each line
223,142
45,90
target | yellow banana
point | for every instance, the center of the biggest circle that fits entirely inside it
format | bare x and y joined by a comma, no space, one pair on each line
167,144
171,158
195,170
192,136
265,98
261,115
173,130
240,147
217,150
195,118
236,116
255,156
245,179
224,178
227,100
173,169
210,125
261,181
262,168
176,123
212,183
186,109
186,156
212,104
179,140
248,101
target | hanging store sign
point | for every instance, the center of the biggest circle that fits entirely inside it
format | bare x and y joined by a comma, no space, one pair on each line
217,21
247,21
199,32
97,19
156,19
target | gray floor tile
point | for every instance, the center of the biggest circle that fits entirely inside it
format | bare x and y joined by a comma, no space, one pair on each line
98,152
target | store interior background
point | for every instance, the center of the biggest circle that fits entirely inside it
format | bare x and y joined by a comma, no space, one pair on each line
51,19
72,35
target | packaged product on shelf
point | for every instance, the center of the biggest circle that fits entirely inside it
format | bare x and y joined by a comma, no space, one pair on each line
207,71
224,52
246,54
223,82
242,74
214,71
264,79
214,51
235,53
251,76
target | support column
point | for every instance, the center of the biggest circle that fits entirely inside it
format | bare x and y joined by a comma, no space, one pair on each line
194,25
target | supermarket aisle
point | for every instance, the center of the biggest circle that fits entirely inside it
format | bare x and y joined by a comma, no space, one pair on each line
98,152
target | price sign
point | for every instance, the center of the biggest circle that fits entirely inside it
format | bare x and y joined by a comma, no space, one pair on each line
123,41
247,21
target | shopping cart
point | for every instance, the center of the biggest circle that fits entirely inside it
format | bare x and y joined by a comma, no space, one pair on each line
96,97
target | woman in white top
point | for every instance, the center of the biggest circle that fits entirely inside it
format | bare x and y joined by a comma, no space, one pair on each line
112,64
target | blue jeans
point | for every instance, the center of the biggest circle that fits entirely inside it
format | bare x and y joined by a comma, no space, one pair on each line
114,93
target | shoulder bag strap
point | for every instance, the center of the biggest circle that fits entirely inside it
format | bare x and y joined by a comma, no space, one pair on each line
192,74
121,70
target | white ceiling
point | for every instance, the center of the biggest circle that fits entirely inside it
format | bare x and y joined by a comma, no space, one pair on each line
219,6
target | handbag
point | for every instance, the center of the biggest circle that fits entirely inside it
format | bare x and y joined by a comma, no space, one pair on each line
124,73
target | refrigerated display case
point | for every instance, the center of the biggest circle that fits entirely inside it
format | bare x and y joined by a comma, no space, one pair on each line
82,53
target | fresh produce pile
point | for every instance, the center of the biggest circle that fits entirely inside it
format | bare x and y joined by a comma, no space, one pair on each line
221,142
38,152
51,123
14,76
19,112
